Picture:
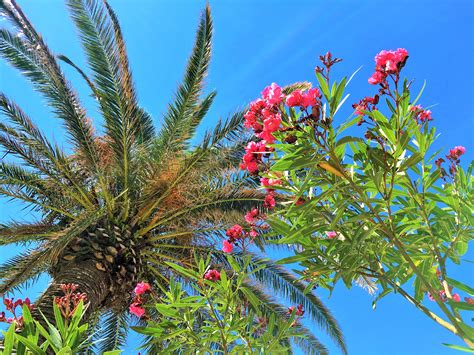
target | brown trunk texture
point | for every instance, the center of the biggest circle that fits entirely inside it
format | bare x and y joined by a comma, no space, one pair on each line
93,282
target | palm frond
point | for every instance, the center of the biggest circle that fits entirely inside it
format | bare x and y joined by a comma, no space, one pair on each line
185,113
278,278
303,85
26,140
141,123
310,344
34,59
16,232
224,132
26,126
21,268
89,82
113,331
97,37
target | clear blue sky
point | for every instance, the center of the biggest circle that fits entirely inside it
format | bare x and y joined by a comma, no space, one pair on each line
259,42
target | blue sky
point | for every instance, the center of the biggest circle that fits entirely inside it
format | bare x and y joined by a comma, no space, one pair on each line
259,42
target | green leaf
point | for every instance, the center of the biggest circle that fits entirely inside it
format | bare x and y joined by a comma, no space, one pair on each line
50,337
65,351
460,348
185,272
324,86
166,310
9,340
461,247
347,139
113,352
415,158
463,287
30,345
462,305
59,320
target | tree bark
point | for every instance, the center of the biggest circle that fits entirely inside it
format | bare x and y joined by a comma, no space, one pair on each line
91,281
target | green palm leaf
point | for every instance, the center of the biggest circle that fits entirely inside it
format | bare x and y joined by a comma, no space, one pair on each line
34,59
185,113
113,331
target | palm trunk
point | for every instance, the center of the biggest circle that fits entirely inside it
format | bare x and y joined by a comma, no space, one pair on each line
91,281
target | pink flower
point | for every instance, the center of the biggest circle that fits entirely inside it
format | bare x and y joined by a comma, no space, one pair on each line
251,120
377,78
251,215
268,112
227,247
300,201
331,234
425,115
267,136
141,288
391,61
457,151
388,62
272,94
266,182
310,98
401,55
235,232
456,297
272,122
421,115
299,310
137,310
294,99
253,233
253,156
383,57
442,294
416,108
269,201
212,275
257,105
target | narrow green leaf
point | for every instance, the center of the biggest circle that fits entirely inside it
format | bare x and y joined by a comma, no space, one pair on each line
9,340
460,348
463,287
324,86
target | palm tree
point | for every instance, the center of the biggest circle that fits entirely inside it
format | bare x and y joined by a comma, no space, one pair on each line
126,201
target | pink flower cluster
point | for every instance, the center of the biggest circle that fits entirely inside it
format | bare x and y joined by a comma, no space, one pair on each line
238,236
454,157
212,275
299,310
68,303
269,183
366,104
444,298
269,201
253,158
386,63
304,99
263,116
136,308
11,306
421,115
456,152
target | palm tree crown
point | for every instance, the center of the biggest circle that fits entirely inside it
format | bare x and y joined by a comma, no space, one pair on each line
126,201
